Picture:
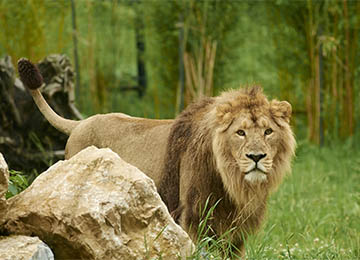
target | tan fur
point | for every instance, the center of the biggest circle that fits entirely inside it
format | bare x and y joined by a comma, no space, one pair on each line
139,141
199,154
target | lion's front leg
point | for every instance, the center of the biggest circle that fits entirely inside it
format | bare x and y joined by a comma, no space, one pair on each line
176,214
189,218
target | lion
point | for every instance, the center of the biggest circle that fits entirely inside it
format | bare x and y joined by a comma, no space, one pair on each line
232,150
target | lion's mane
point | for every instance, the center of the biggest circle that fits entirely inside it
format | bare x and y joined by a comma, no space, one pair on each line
213,171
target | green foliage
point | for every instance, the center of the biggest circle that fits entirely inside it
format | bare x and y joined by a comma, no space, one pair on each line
207,19
210,246
18,182
261,42
317,62
26,30
45,156
272,43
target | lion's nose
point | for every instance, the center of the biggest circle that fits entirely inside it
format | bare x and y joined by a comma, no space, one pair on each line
256,157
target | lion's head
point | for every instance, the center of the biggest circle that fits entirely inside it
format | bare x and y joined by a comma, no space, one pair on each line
252,140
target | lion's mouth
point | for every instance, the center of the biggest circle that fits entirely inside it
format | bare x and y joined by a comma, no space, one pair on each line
255,175
255,169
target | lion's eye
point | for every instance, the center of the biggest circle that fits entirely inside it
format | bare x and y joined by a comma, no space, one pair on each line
241,132
268,131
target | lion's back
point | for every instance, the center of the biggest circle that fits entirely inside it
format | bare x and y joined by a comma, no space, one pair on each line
139,141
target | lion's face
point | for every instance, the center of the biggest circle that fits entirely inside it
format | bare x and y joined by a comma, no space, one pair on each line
253,144
252,140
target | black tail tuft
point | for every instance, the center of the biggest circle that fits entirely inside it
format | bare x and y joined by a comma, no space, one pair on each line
29,74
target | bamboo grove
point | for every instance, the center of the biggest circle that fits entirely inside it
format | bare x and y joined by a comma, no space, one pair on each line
152,58
327,33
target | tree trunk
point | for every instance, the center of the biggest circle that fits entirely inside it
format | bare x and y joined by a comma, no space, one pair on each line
76,53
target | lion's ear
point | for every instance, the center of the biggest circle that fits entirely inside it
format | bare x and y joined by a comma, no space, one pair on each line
224,116
281,109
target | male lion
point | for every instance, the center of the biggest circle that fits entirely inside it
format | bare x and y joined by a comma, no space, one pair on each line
233,149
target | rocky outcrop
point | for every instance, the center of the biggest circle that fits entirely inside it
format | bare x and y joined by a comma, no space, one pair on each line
18,247
24,248
4,180
4,177
96,206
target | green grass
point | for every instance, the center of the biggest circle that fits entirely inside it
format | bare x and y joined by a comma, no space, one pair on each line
315,214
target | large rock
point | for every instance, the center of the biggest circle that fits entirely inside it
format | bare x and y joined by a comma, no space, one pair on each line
24,248
96,206
4,182
4,177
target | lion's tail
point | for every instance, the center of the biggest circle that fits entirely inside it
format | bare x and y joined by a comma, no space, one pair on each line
32,79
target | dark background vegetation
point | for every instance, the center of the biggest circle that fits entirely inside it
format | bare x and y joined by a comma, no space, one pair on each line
301,51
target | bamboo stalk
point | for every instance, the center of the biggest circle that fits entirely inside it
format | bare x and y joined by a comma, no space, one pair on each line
312,117
348,112
188,76
207,68
211,69
200,66
317,102
90,59
194,75
76,53
334,75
